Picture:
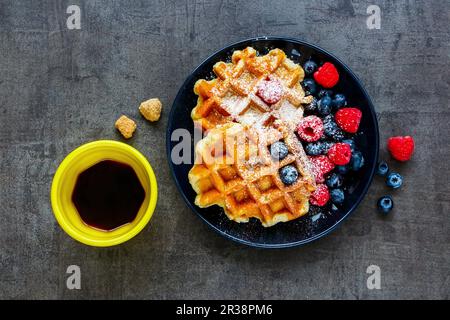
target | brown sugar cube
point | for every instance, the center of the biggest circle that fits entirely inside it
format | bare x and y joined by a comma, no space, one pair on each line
151,109
126,126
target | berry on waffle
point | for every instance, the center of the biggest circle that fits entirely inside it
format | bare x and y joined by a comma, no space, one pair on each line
235,170
233,95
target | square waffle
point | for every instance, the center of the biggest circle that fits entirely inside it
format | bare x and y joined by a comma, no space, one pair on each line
232,95
234,169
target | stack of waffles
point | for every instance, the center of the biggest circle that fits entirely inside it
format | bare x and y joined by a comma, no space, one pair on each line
233,164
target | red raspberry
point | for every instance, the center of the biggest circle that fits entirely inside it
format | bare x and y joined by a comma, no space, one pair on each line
310,129
340,154
270,90
320,196
321,165
327,75
348,119
401,148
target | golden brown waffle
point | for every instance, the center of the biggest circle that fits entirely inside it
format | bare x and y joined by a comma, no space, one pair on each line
234,169
231,97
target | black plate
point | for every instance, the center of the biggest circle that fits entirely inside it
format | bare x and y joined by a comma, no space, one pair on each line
304,229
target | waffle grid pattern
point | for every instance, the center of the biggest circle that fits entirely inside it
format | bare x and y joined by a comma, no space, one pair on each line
237,172
234,168
232,95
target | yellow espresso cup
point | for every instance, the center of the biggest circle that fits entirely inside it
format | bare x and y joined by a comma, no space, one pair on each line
83,158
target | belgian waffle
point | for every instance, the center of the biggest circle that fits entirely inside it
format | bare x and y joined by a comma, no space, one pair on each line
234,169
231,96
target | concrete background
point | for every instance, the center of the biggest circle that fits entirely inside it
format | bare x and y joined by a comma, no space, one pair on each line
60,88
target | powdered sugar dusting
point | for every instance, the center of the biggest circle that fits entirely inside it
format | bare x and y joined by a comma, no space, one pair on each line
234,104
250,116
290,114
270,91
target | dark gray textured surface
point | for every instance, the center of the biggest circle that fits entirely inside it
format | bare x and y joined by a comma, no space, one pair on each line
60,88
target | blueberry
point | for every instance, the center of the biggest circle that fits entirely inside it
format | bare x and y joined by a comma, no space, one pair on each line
312,107
324,106
337,196
385,204
313,149
339,101
331,129
351,143
394,180
288,174
310,86
325,93
318,148
334,180
343,169
309,67
382,168
279,150
357,161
